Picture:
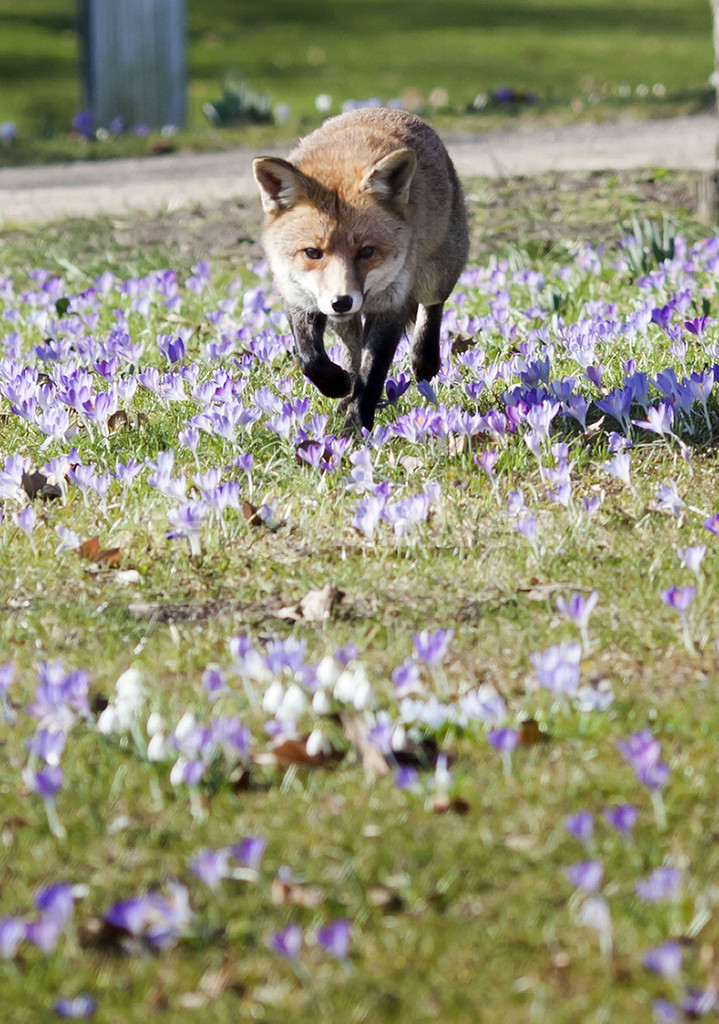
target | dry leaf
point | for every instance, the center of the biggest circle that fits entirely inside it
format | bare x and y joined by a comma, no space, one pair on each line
318,605
462,343
214,983
383,898
89,548
37,485
530,734
373,760
291,752
286,892
251,514
117,421
441,803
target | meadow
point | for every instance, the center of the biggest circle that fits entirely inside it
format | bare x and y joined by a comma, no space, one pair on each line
467,62
416,725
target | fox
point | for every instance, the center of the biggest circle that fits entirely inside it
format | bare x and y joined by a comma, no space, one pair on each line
365,230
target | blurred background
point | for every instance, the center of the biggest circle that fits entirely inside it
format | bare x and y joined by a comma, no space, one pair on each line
259,69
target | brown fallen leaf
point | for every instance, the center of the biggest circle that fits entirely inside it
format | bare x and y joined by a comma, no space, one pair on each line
373,760
442,803
285,892
251,514
530,734
381,897
462,343
315,606
290,752
90,549
37,485
117,421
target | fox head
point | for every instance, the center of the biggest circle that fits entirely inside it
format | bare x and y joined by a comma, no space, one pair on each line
338,242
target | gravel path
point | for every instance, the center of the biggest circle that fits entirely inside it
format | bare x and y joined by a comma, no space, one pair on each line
43,194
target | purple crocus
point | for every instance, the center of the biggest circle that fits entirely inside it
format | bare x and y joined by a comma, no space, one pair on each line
12,933
250,851
336,937
287,942
580,825
665,960
47,783
157,919
623,818
407,778
692,557
663,884
431,648
557,668
643,753
211,866
679,598
505,741
587,875
76,1008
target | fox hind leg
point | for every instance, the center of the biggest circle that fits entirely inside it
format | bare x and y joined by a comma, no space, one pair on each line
425,341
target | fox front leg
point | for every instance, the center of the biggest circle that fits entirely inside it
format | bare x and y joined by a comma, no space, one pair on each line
379,345
425,342
308,330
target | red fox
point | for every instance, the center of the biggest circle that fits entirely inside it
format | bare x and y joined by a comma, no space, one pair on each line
365,228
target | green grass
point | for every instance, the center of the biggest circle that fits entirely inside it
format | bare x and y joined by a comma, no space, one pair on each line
457,916
574,55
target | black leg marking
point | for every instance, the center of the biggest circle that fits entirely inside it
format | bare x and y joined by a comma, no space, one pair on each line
379,346
308,330
425,342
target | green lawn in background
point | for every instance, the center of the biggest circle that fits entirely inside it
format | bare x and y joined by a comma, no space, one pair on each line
566,51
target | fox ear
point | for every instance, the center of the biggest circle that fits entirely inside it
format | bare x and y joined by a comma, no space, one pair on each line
281,184
390,178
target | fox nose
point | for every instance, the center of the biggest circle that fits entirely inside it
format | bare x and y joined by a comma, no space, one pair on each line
342,303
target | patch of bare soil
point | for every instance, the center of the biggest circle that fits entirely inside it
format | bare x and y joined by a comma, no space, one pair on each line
535,212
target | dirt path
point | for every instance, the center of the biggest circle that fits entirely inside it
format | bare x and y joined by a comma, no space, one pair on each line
43,194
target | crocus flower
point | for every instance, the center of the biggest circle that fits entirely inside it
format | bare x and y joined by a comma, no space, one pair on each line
623,818
587,875
211,866
250,851
692,557
580,825
557,668
47,784
665,960
76,1008
681,598
336,937
505,741
662,884
431,648
594,913
578,608
12,933
287,942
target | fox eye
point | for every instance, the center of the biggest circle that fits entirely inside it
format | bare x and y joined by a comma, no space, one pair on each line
312,254
365,252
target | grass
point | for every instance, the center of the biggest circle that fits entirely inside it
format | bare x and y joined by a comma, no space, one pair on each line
460,908
581,58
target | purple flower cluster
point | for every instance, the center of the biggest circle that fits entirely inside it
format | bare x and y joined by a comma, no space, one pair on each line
55,905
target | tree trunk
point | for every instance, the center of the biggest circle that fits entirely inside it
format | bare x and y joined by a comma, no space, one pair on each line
708,198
